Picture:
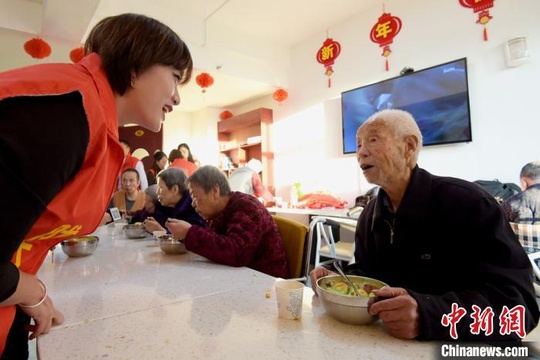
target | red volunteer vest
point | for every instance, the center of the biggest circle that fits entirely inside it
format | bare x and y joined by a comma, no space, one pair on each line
80,205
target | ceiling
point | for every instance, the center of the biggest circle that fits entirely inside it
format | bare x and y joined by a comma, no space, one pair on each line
243,44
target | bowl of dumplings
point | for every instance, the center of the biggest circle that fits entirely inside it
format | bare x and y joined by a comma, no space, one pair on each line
170,245
342,303
135,231
80,246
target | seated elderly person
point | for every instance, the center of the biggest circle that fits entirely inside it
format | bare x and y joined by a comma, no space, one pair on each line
524,207
240,232
442,244
129,198
174,201
247,180
150,200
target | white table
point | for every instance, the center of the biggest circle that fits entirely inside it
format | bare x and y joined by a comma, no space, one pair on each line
129,300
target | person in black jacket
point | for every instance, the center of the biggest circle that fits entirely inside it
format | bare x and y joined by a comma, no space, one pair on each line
454,266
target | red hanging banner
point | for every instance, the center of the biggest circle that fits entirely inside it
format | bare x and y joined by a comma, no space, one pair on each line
481,7
383,33
327,54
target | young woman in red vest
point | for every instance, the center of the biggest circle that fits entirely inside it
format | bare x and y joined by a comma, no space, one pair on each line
69,114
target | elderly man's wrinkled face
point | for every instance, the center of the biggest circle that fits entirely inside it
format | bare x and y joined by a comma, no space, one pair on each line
381,157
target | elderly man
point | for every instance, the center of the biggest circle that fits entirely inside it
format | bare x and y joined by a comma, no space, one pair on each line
525,207
240,232
455,269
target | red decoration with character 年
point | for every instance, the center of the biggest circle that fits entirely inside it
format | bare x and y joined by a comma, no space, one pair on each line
482,8
384,32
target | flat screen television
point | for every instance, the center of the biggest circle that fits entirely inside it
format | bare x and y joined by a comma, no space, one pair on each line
437,97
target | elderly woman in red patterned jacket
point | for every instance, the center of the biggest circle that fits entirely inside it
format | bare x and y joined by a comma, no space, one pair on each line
240,231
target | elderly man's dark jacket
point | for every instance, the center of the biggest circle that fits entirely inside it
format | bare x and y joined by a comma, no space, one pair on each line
448,242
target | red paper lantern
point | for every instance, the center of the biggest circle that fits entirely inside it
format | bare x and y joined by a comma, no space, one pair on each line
204,80
37,48
383,33
280,95
76,54
225,115
327,54
481,7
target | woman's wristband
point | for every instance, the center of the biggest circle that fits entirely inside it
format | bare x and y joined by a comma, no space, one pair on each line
40,301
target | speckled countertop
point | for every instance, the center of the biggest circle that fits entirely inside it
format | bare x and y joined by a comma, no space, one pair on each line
130,301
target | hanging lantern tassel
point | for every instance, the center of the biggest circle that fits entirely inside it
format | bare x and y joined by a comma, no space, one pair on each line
204,80
329,72
481,7
76,54
280,95
37,48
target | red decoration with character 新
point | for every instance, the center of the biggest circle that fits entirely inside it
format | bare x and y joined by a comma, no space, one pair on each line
482,8
327,54
384,32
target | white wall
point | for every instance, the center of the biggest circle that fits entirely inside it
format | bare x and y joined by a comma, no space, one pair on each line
505,120
307,131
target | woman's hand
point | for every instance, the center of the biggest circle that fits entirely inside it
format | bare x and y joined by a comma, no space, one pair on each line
152,225
45,316
178,228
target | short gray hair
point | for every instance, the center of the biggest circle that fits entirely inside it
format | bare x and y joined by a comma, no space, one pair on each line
174,176
151,191
401,123
531,171
207,177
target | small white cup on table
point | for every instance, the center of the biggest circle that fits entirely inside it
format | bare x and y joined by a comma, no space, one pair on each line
289,295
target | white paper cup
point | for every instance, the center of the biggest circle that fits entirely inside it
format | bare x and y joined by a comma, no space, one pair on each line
158,233
289,295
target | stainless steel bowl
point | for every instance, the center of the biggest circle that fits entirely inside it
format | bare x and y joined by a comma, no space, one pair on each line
135,231
80,246
169,245
348,309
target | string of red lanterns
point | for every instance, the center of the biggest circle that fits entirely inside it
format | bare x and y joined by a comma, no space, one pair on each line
225,115
204,80
37,48
76,54
280,95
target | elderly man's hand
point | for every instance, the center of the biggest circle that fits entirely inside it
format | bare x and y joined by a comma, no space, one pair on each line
398,311
316,274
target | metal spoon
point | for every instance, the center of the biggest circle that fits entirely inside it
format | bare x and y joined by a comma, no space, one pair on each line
342,273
